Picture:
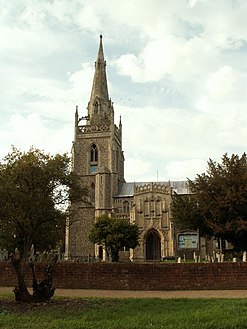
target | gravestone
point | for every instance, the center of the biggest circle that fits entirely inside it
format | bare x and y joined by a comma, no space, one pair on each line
4,255
244,256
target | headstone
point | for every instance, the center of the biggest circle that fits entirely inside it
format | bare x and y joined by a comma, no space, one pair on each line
244,256
179,260
5,255
17,254
218,257
234,259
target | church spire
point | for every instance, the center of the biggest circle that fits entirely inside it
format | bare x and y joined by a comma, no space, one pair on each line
99,107
99,88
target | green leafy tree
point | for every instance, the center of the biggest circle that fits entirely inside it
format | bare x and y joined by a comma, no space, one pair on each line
185,211
114,234
221,195
35,189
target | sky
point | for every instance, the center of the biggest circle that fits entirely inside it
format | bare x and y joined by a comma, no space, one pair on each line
176,69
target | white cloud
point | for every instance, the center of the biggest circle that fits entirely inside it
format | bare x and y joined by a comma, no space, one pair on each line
181,170
32,130
192,3
221,83
88,18
224,91
81,83
152,64
185,58
136,168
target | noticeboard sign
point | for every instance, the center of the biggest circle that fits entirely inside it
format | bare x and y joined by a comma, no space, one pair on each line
188,240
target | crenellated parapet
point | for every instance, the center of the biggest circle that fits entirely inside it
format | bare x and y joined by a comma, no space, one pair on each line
152,187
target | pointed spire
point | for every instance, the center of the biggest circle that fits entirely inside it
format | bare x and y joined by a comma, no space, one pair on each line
100,57
100,108
99,88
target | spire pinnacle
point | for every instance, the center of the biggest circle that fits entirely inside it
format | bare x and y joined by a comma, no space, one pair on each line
100,57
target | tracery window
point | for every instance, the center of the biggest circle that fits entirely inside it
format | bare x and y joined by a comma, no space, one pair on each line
146,208
94,156
126,207
158,208
94,153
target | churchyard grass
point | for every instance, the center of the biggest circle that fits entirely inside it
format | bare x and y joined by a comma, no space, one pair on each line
96,313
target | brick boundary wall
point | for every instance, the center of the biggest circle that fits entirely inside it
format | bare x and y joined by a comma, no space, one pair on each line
132,276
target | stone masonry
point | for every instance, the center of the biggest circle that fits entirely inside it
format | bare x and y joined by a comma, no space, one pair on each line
98,160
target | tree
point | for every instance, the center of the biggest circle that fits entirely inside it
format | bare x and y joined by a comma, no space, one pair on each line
42,290
185,211
114,234
35,189
221,195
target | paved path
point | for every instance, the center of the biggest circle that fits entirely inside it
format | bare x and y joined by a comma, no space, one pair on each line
85,293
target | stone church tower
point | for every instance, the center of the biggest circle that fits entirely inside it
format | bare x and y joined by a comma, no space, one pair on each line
98,159
99,162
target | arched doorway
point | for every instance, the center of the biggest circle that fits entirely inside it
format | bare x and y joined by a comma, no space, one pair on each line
153,246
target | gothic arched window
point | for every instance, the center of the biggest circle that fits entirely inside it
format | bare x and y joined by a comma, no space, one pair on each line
94,153
96,107
94,157
126,206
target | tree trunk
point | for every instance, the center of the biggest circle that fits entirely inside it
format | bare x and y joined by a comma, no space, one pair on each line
43,290
20,291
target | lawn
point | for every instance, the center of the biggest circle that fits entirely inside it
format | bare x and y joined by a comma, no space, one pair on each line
96,313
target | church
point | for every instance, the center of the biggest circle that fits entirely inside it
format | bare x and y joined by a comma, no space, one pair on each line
98,160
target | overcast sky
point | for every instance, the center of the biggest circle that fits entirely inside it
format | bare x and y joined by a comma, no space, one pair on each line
177,73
